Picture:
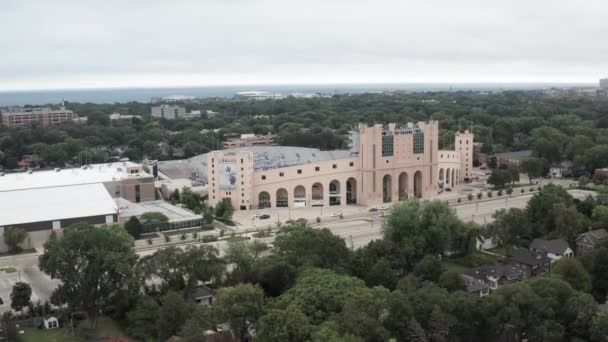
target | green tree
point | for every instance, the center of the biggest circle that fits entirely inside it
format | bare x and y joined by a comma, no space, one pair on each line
364,313
572,271
320,293
241,306
134,227
540,208
422,227
415,333
599,216
509,226
143,319
439,325
451,281
173,313
224,210
179,269
20,295
284,325
242,256
535,168
569,223
599,327
305,246
429,268
94,265
154,218
13,237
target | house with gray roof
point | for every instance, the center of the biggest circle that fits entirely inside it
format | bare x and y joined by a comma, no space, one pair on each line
590,240
495,275
555,249
531,263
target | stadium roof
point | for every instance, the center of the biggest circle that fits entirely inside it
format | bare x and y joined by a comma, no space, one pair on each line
264,158
55,203
95,173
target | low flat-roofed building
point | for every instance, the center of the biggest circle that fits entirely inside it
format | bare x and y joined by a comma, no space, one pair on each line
41,210
179,218
168,112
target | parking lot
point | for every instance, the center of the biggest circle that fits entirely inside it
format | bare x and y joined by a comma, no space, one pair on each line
25,270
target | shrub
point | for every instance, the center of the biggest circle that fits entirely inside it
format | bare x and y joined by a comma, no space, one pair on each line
499,193
509,191
183,236
318,219
222,232
149,241
523,190
479,195
459,200
490,194
13,236
209,238
167,238
470,197
194,235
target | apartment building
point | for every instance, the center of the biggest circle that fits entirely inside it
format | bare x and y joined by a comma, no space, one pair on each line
25,117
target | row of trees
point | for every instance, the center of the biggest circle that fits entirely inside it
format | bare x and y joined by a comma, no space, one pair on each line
555,129
309,286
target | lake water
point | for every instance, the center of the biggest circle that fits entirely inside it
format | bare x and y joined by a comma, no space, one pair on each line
40,97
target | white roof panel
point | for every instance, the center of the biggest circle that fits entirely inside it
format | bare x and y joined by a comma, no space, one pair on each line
54,203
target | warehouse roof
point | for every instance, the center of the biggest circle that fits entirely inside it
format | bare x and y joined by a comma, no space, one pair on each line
89,174
264,158
55,203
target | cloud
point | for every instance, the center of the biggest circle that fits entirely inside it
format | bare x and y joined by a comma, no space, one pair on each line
109,43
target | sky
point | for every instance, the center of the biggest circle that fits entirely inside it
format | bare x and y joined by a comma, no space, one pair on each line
65,44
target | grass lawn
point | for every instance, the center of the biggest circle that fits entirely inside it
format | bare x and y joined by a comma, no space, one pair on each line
8,270
451,266
502,250
105,328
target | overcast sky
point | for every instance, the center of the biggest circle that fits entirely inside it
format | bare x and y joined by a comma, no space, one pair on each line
49,44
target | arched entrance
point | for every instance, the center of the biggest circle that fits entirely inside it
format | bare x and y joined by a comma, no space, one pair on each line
447,179
403,183
387,185
263,200
441,177
317,195
458,176
351,191
299,196
418,184
282,198
453,176
334,192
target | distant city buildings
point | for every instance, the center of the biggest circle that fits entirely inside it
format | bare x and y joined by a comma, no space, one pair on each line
578,92
248,140
26,117
118,117
604,84
168,112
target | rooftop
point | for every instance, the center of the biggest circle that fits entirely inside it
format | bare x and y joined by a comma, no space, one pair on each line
175,214
55,203
558,246
527,257
90,174
264,158
517,155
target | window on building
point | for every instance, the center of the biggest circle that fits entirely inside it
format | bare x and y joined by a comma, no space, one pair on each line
418,142
352,164
387,145
263,177
281,174
241,160
137,193
299,171
117,191
317,168
334,166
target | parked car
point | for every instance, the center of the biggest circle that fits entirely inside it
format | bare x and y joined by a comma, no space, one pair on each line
290,221
264,216
373,209
448,189
336,214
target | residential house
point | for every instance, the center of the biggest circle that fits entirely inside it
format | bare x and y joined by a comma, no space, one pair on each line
475,286
561,170
486,242
201,295
555,249
531,263
590,240
50,322
496,275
